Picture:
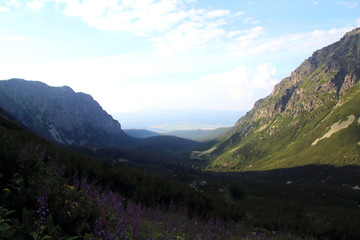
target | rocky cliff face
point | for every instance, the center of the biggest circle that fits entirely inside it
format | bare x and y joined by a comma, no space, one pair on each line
322,77
59,114
323,92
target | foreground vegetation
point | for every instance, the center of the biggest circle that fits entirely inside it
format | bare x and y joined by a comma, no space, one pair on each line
51,193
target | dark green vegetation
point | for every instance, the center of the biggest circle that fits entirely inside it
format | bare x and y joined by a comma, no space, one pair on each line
140,133
312,117
50,191
169,143
45,192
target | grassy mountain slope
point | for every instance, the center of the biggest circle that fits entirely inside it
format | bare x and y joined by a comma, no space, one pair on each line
321,96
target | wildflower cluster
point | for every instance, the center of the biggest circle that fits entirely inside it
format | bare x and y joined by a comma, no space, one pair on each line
42,210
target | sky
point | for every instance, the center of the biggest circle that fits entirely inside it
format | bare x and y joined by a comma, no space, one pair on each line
133,55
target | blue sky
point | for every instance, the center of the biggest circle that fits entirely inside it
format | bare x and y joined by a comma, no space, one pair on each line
143,54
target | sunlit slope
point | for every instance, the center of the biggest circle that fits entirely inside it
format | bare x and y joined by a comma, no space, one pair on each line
312,117
293,143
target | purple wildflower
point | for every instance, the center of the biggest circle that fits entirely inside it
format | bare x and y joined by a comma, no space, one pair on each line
41,210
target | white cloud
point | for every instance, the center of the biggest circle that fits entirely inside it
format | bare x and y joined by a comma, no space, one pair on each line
13,39
249,42
236,89
250,20
188,35
118,82
14,3
246,41
240,13
36,5
217,13
358,22
4,9
240,82
169,24
348,4
141,17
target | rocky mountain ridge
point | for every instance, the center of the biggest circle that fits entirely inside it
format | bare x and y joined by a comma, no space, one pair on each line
329,71
59,114
279,131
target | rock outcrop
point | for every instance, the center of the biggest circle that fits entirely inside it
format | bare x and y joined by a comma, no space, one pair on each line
322,77
59,114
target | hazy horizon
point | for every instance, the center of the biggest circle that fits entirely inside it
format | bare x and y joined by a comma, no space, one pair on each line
164,120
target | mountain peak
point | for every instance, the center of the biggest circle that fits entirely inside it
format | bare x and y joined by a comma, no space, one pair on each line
316,100
59,114
352,32
325,75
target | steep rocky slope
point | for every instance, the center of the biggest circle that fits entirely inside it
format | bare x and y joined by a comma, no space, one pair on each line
59,114
311,117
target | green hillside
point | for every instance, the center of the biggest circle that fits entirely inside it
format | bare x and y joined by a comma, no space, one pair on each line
312,117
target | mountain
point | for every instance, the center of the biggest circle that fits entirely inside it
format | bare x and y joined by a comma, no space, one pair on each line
59,114
140,133
311,117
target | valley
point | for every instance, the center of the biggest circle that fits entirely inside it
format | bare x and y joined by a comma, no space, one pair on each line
287,169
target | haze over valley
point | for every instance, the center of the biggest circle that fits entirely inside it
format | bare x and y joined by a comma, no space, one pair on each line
184,119
163,120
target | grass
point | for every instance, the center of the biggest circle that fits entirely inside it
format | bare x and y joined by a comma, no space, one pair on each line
286,141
